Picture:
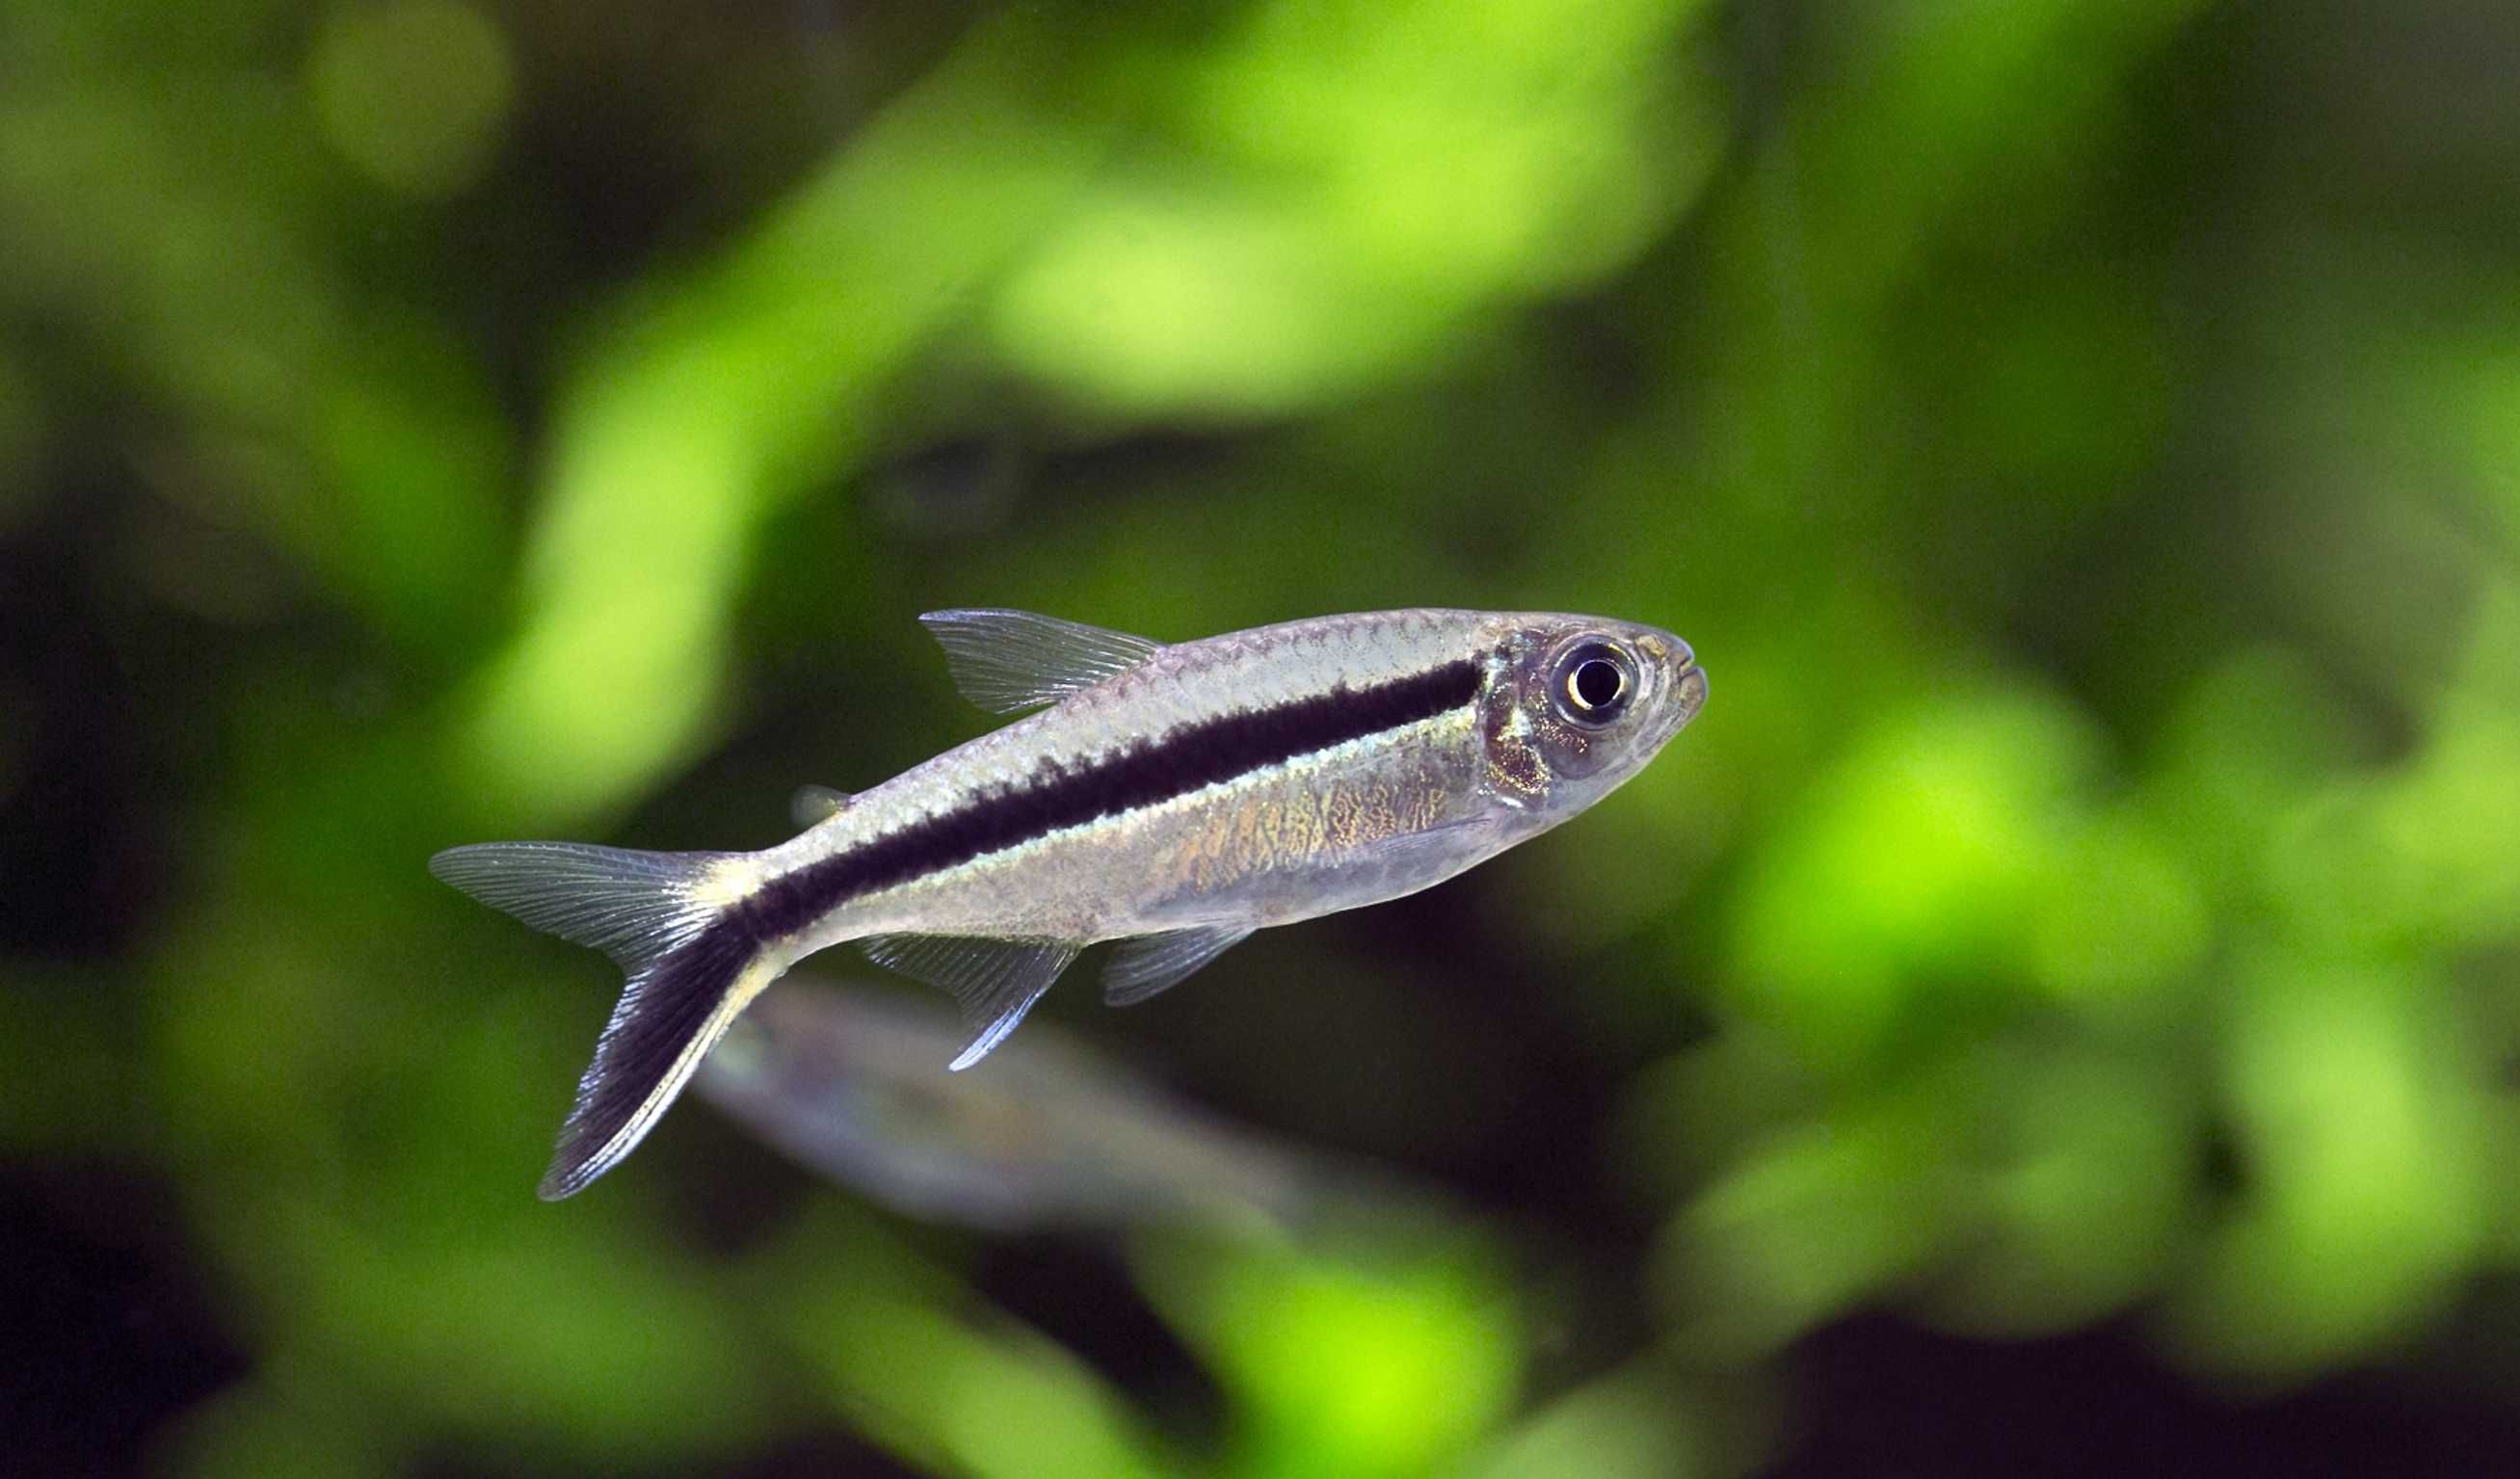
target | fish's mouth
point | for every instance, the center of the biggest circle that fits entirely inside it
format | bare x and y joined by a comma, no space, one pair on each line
1689,690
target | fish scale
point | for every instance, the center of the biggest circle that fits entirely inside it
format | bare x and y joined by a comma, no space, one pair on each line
1173,799
1180,686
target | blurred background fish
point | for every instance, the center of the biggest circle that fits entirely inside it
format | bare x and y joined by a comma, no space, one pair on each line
846,1078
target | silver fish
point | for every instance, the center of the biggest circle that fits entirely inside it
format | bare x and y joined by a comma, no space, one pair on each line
1174,798
1052,1136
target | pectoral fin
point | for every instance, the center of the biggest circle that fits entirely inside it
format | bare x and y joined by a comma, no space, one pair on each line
1150,964
1007,661
995,981
1436,852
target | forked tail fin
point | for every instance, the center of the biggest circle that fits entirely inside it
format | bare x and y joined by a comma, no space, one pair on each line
691,969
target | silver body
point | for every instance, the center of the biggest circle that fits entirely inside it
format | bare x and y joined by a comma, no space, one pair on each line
1288,842
1172,798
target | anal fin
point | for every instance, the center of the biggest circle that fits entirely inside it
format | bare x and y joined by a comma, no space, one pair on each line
995,981
1150,964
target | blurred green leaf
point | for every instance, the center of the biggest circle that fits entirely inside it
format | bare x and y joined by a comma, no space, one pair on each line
1386,1363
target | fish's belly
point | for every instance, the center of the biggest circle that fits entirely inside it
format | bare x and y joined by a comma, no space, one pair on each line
1348,827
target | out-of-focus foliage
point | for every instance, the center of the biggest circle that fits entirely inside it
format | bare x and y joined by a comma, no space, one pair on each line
2080,438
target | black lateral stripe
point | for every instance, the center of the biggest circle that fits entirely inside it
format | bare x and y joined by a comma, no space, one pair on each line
1146,772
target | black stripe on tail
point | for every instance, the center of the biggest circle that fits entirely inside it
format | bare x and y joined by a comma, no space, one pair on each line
670,1015
691,969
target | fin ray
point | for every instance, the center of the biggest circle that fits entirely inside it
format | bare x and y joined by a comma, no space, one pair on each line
1007,662
688,975
994,981
633,906
668,1019
1150,963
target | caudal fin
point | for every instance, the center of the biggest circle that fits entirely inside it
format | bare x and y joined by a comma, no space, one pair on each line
690,971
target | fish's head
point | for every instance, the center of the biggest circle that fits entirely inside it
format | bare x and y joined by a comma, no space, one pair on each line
1574,706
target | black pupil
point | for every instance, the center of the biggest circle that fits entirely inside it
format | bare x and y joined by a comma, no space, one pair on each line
1598,682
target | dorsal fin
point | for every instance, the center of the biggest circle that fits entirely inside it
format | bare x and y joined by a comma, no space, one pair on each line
814,805
1007,661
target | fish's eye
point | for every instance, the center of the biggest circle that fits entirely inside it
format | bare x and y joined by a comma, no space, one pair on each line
1592,685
